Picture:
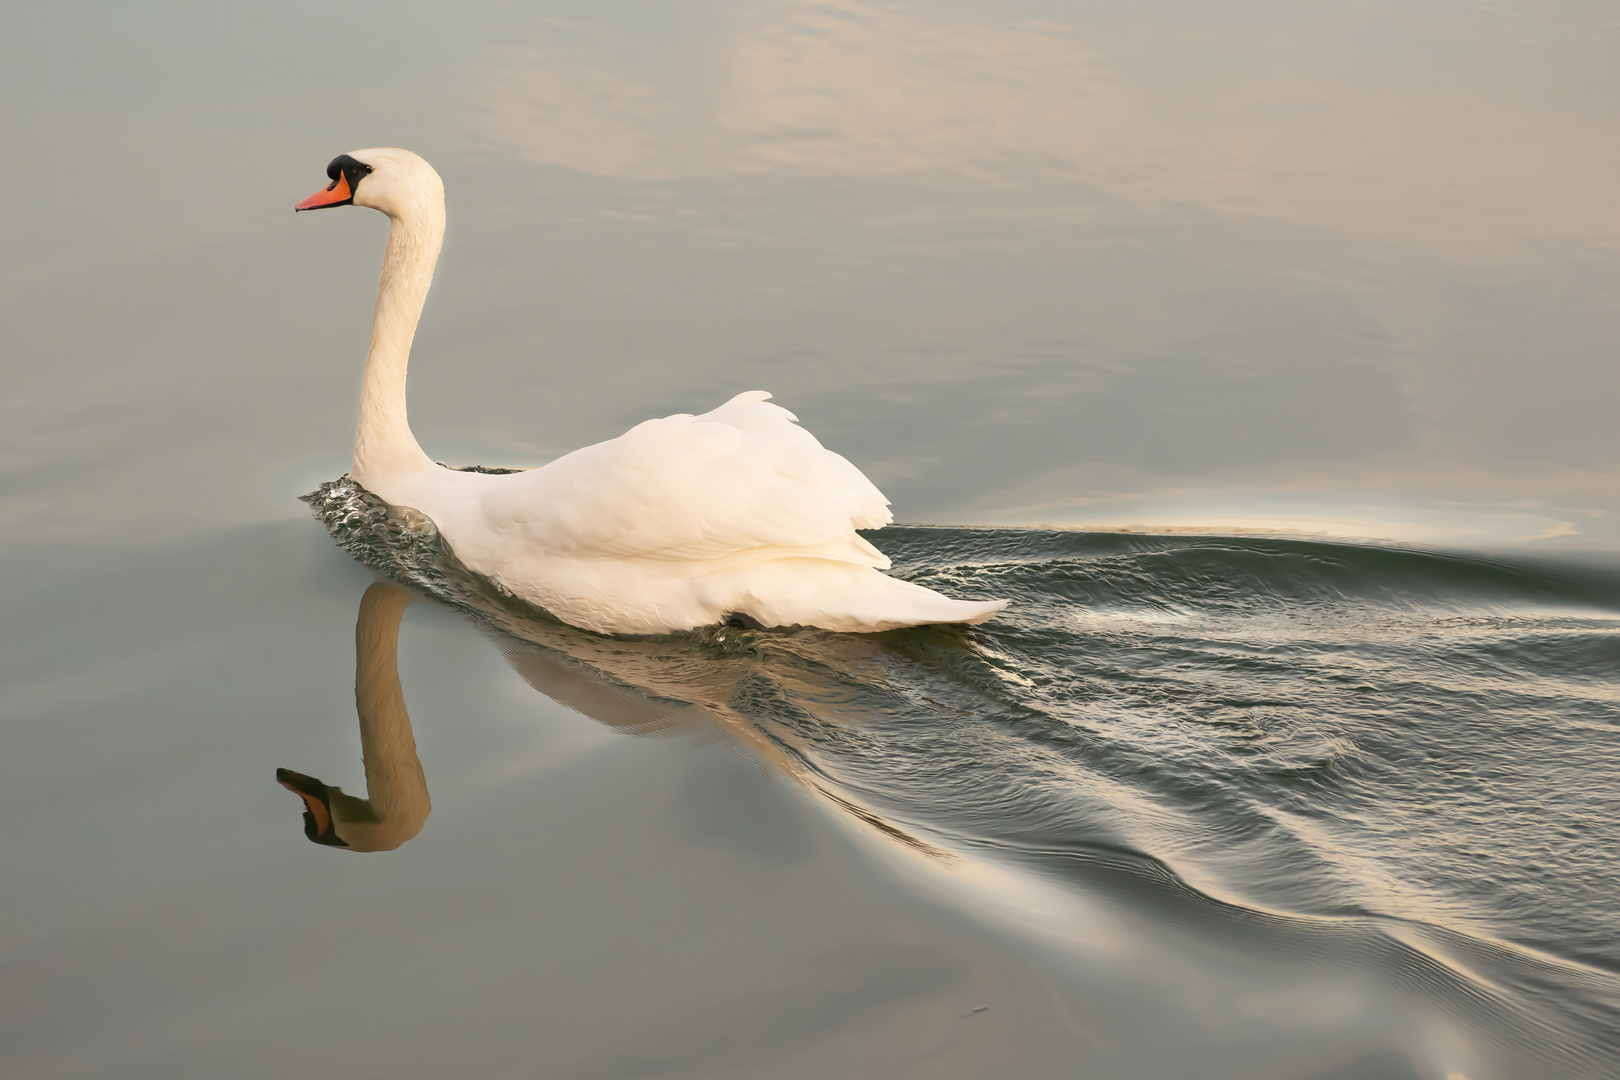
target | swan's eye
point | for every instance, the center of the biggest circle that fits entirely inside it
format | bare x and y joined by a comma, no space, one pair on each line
344,165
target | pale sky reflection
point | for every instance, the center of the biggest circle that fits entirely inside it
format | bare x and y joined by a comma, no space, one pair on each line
1283,130
1382,239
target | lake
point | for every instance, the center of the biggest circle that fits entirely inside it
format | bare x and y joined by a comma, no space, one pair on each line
1263,356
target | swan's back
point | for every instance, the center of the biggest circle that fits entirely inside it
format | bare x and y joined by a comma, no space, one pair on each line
684,520
742,481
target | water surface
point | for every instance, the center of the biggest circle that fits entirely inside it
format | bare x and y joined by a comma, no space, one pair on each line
1309,773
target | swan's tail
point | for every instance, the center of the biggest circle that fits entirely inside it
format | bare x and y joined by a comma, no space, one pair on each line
917,605
836,596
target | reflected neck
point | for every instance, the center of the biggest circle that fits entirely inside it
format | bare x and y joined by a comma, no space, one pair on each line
383,443
396,803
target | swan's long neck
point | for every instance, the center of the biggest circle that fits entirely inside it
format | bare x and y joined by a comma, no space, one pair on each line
383,444
396,803
394,780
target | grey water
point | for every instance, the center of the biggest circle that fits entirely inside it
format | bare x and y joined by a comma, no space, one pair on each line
1263,355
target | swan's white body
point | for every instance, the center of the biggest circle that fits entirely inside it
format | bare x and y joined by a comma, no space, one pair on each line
678,523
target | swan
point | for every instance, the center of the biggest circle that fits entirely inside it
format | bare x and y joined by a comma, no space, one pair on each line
738,514
397,803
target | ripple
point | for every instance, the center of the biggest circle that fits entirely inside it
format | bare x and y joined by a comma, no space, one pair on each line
1402,758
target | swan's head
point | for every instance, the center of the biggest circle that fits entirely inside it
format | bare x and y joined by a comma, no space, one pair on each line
389,179
319,825
343,821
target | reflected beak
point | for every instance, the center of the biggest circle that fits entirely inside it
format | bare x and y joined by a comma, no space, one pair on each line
317,810
337,194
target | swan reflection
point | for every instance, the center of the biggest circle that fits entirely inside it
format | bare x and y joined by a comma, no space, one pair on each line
727,683
397,804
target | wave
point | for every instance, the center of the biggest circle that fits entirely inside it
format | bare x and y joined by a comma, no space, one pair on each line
1395,759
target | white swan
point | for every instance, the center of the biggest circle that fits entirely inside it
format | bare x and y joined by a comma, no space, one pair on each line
678,523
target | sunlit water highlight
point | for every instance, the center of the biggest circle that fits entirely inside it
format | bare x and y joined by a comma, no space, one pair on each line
1370,760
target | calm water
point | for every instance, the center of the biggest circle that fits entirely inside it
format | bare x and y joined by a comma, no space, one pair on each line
1310,773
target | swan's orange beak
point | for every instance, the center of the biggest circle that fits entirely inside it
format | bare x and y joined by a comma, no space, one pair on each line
318,824
335,194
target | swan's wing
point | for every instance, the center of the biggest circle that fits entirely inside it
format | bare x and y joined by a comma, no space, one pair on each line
743,477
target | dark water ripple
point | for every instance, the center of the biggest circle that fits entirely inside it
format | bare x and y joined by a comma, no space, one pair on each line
1401,759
